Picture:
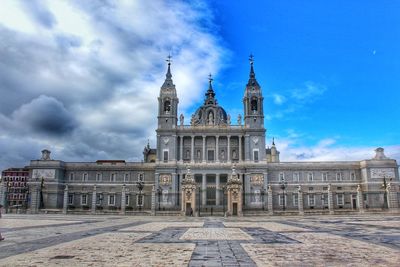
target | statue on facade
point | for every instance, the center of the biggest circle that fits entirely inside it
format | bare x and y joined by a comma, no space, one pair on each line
182,119
229,120
192,121
210,118
239,120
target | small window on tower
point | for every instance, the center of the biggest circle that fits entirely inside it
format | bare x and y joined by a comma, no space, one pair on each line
167,107
254,105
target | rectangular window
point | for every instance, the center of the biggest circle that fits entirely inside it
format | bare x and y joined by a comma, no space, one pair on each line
85,177
141,177
165,156
255,155
310,176
84,199
340,199
126,200
98,177
295,199
324,199
352,176
111,200
281,177
324,176
296,177
282,199
126,177
140,200
210,155
99,199
311,200
113,177
71,176
70,199
338,176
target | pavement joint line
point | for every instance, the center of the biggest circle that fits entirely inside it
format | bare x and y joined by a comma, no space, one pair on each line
32,245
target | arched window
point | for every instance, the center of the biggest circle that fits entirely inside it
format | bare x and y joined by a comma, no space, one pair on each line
167,106
253,105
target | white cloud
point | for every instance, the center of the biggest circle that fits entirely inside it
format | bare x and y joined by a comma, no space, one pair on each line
279,99
101,64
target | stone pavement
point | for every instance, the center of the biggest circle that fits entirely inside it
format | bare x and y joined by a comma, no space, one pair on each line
71,240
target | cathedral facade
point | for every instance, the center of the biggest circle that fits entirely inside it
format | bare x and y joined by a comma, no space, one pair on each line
211,164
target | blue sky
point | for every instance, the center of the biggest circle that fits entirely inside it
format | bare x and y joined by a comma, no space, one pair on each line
81,78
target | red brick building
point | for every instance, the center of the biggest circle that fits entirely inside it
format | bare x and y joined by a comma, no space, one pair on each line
15,187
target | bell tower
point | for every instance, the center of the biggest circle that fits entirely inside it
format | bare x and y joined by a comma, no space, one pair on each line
253,101
254,119
167,119
168,102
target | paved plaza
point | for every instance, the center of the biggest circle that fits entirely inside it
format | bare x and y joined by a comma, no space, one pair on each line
58,240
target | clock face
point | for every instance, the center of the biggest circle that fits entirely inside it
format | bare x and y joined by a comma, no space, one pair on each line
44,173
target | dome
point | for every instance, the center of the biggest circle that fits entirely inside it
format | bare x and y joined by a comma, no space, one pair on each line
210,113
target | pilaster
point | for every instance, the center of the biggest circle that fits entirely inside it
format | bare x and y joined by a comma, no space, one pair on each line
330,200
300,201
270,204
94,198
65,200
360,199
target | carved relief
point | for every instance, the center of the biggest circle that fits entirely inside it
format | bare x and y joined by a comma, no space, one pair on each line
257,179
44,173
255,140
382,173
165,179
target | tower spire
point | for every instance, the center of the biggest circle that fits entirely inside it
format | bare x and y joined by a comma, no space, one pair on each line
168,77
252,76
210,92
251,59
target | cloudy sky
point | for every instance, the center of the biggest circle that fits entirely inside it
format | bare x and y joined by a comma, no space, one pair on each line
81,78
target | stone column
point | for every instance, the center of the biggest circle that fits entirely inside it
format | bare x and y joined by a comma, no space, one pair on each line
330,200
229,148
300,201
192,150
204,189
240,148
65,200
392,198
217,191
123,199
94,198
181,149
247,145
153,200
360,199
217,148
34,199
270,199
204,149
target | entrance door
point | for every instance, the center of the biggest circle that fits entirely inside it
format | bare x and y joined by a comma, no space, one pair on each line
188,208
354,202
234,212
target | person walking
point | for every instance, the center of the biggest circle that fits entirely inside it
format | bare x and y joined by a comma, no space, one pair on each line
1,238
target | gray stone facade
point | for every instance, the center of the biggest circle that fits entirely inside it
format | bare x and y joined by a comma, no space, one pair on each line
211,143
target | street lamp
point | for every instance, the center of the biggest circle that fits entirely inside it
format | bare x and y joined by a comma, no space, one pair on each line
140,186
262,197
283,185
199,200
159,192
41,204
223,197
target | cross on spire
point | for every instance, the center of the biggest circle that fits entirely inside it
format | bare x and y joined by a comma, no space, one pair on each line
210,79
169,59
251,59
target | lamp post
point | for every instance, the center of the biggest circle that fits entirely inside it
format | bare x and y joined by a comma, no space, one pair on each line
41,204
262,197
223,197
199,200
140,186
159,192
283,185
